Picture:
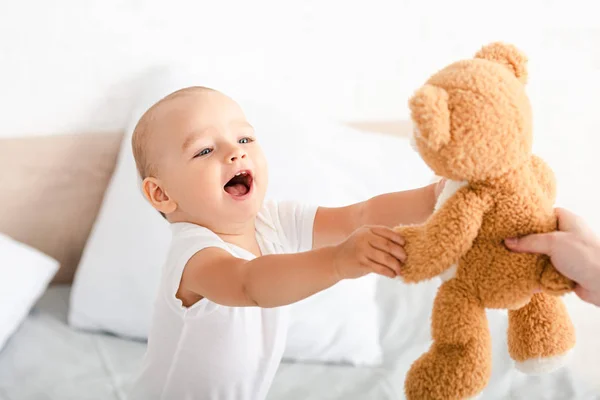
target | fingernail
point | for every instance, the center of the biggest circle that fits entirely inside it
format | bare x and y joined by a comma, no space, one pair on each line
510,241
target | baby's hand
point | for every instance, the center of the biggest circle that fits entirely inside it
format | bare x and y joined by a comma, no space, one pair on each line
370,249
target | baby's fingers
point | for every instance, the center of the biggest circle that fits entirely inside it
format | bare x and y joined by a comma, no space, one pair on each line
383,244
389,234
386,260
381,270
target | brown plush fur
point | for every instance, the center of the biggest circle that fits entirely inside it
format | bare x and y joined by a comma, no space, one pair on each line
473,123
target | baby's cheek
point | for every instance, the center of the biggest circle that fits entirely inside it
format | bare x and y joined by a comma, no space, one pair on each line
261,163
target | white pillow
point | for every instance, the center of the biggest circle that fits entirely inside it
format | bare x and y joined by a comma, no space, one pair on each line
24,275
310,160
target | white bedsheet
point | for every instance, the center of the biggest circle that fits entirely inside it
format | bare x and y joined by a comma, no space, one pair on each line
46,359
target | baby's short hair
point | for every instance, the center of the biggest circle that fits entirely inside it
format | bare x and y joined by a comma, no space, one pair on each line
143,132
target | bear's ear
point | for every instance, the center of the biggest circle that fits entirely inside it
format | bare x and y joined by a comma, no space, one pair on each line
429,111
507,55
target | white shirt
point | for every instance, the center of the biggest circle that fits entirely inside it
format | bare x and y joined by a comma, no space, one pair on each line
213,352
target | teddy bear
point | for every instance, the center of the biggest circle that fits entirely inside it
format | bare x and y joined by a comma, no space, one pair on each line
473,126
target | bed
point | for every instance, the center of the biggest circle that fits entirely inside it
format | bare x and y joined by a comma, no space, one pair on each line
47,358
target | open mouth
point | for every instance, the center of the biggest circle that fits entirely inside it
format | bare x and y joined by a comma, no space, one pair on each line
240,184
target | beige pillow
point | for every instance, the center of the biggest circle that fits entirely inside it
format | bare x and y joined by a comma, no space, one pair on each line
52,188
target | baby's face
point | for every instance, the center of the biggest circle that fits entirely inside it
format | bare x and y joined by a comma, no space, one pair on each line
209,162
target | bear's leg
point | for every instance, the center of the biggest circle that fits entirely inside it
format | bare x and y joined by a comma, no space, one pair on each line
458,364
540,335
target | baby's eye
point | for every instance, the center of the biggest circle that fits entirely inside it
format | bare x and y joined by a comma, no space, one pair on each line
245,140
203,152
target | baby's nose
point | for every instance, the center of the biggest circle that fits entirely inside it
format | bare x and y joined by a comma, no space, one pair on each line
237,154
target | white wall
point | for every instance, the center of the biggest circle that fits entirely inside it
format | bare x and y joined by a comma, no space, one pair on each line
71,66
68,65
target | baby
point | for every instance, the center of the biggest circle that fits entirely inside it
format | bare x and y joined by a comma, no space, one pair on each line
219,324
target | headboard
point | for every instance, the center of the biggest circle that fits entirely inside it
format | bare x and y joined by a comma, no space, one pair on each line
53,188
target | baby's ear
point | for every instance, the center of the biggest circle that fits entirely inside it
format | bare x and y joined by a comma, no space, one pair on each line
507,55
430,113
157,196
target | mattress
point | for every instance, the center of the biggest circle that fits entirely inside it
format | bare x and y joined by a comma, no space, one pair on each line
48,360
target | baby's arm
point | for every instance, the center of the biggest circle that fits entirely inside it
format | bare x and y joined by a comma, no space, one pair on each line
332,225
281,279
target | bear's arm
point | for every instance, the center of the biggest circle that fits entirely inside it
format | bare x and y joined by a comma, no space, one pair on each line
436,245
545,177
